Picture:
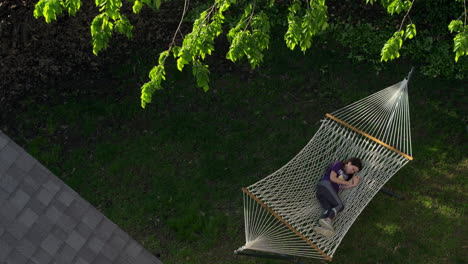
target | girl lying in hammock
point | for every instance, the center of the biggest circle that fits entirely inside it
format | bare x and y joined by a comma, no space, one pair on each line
338,176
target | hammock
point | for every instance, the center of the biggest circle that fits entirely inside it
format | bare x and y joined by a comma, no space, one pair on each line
281,210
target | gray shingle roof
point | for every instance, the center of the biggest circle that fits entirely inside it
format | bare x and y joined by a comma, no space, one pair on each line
42,220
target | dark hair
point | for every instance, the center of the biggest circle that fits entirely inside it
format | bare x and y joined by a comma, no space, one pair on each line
354,161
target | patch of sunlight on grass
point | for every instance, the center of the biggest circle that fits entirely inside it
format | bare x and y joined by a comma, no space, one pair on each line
453,171
389,229
433,149
437,207
151,243
426,175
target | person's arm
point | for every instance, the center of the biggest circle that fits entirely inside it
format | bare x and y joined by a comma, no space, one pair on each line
335,179
354,182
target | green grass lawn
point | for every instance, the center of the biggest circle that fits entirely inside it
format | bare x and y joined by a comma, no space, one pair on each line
171,175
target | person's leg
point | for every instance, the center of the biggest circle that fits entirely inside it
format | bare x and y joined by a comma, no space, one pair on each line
335,204
322,197
336,208
332,197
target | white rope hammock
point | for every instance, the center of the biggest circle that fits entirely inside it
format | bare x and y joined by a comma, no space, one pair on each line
281,210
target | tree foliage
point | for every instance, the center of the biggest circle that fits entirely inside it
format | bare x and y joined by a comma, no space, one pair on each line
248,35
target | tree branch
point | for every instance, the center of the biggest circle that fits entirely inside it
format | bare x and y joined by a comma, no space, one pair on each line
250,17
464,5
186,4
407,13
207,17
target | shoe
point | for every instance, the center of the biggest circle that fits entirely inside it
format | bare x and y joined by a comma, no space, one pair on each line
324,232
326,224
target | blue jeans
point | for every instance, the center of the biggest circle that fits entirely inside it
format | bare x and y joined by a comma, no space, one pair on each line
328,199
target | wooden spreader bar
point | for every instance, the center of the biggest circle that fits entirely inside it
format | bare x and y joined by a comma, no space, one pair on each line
287,224
369,136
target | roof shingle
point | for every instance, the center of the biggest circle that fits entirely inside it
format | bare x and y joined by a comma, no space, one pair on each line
42,220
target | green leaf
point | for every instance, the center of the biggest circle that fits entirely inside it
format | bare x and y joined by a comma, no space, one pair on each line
175,51
293,34
410,31
200,42
157,3
390,50
460,44
49,9
225,4
137,7
101,32
72,6
181,63
398,6
185,57
162,56
157,75
201,74
249,41
455,26
301,30
153,4
123,26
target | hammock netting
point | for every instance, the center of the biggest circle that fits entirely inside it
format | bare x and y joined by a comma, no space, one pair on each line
281,210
